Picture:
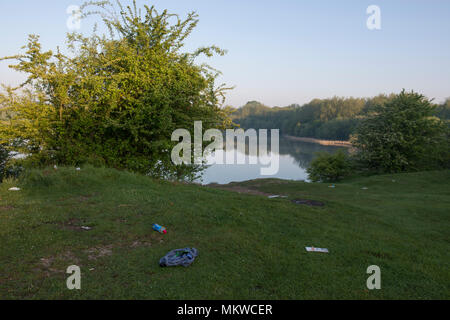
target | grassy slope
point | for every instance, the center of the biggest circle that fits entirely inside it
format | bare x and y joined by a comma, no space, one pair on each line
250,246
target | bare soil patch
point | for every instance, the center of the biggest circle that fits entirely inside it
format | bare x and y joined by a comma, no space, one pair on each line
311,203
99,252
238,189
46,266
71,224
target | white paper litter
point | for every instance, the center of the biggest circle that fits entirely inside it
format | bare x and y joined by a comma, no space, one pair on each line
86,228
313,249
78,169
276,196
14,189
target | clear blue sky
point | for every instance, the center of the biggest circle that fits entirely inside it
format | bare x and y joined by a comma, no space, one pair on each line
286,51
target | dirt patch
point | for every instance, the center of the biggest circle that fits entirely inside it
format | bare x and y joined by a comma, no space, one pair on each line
84,198
379,255
50,266
311,203
273,181
126,205
46,266
99,252
46,262
71,224
238,189
137,244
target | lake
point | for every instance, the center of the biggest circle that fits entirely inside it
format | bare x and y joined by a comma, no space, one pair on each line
294,159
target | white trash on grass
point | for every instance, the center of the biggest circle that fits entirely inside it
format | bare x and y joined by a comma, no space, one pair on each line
14,189
276,196
313,249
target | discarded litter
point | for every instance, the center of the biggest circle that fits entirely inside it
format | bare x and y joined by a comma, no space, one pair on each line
332,186
78,169
276,196
14,189
159,228
365,188
179,257
312,249
86,228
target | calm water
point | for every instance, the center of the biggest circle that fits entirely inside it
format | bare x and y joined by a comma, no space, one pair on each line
295,157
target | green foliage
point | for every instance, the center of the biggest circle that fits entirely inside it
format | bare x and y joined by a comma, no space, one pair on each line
403,135
334,119
4,156
251,108
443,110
328,167
116,99
9,167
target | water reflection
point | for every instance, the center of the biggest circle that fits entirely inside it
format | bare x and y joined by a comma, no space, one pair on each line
295,157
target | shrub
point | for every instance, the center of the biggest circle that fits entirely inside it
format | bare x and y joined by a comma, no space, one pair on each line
327,167
117,98
403,135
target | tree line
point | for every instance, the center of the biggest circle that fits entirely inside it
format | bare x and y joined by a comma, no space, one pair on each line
402,135
335,118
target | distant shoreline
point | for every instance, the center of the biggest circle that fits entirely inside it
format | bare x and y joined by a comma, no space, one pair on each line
337,143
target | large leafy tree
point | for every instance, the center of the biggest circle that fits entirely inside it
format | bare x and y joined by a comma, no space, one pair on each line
403,135
116,98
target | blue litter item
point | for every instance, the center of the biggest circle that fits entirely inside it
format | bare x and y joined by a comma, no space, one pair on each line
179,257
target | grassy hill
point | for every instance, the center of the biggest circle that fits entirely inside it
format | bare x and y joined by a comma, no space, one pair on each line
251,247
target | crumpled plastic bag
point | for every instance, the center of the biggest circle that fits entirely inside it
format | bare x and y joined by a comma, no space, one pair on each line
179,257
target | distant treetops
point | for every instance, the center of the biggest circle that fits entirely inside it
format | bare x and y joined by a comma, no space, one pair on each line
334,119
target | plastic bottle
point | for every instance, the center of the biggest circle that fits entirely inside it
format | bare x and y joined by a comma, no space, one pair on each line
159,228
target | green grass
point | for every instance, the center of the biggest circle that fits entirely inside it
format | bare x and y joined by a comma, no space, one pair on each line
251,247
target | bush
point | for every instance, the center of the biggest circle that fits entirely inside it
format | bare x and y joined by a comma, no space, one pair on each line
117,98
327,167
403,135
